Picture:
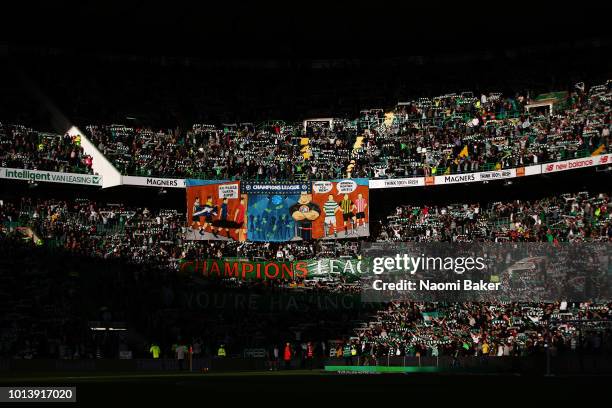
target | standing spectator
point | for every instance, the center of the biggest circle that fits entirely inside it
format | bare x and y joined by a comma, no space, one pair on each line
155,351
287,354
309,355
181,350
276,355
304,352
197,347
500,350
346,353
272,355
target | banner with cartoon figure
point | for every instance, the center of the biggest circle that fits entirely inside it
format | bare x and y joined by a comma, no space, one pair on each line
216,211
344,209
279,211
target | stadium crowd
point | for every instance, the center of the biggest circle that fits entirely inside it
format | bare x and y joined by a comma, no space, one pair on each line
55,300
485,329
562,218
151,241
454,133
25,148
448,134
459,133
140,235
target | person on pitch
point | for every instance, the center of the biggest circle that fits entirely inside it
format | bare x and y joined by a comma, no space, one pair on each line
287,356
155,351
310,355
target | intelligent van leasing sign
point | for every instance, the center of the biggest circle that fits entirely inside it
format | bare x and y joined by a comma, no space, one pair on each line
50,176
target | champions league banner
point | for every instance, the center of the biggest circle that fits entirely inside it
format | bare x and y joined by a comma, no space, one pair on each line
344,208
278,212
327,269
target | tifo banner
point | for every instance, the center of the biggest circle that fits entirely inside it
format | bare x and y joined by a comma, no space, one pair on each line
153,182
216,210
50,176
279,211
245,269
343,209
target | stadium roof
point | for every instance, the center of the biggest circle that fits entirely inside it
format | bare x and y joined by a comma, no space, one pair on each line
234,29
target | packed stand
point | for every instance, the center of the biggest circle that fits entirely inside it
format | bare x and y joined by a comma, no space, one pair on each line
564,218
25,148
140,235
156,236
59,297
493,328
111,237
460,133
454,133
274,151
485,329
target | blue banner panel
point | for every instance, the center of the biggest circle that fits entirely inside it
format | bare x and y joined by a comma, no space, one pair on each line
270,211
